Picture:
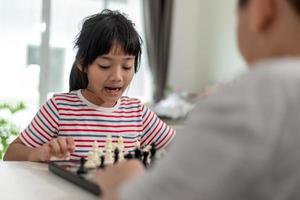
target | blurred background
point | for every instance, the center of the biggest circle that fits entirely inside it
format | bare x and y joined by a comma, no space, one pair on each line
188,46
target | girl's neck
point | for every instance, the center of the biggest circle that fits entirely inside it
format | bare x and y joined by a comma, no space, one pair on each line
93,98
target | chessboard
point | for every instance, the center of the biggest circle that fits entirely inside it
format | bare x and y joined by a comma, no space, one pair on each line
81,172
69,171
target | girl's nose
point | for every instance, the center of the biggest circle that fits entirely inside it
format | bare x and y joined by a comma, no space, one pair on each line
116,74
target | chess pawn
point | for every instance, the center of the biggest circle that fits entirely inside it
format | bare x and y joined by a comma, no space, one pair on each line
121,148
116,155
90,161
96,148
137,151
81,169
108,144
96,158
108,157
120,142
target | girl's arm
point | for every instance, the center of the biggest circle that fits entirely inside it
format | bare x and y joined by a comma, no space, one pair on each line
155,130
19,152
58,147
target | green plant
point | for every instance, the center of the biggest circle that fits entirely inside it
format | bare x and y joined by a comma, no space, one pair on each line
7,128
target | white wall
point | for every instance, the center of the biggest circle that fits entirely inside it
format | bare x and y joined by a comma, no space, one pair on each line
203,44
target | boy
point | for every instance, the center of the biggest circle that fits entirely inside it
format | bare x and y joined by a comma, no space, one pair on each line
243,142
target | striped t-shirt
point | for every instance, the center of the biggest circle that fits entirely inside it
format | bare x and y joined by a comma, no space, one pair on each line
71,115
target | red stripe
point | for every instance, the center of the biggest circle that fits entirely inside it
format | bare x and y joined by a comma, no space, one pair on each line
52,102
103,125
45,117
167,141
68,100
99,141
38,124
40,133
74,155
98,115
101,146
51,116
79,109
130,103
154,131
88,145
163,138
33,139
93,110
106,131
133,111
151,120
30,144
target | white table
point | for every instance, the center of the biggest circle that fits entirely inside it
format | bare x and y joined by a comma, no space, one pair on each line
29,180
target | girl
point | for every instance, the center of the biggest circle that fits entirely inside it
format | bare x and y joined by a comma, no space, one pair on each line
108,55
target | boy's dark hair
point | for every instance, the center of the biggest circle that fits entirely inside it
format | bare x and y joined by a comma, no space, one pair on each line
242,3
98,35
294,3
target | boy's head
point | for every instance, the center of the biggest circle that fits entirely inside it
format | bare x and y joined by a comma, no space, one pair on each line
268,28
99,35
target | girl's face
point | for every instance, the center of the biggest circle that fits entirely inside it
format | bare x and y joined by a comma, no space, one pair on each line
109,75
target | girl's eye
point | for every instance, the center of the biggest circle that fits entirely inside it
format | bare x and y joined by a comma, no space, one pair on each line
127,67
103,66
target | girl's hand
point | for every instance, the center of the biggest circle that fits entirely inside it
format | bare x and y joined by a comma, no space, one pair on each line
58,147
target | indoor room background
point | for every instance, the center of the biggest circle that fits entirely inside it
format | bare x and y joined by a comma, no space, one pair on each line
202,50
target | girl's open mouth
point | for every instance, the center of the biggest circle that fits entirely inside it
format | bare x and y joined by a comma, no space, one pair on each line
113,90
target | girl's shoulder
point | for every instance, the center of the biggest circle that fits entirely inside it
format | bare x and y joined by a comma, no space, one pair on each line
66,96
129,101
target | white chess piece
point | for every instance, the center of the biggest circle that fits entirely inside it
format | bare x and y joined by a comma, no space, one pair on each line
121,148
108,151
96,154
137,144
90,161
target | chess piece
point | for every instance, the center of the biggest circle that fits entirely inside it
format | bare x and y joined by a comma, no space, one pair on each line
145,158
137,151
116,155
153,150
102,161
81,169
121,148
90,161
96,154
152,153
108,151
128,156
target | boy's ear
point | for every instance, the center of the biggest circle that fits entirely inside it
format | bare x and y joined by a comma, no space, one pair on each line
263,13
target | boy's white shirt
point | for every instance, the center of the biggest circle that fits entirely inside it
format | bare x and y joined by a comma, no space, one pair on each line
243,142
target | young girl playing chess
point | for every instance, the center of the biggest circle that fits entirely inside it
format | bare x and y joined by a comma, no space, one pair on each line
108,56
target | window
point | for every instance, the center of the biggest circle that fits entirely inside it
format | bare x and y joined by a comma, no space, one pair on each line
22,46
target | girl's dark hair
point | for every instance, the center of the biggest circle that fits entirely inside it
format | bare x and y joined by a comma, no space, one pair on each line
98,35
